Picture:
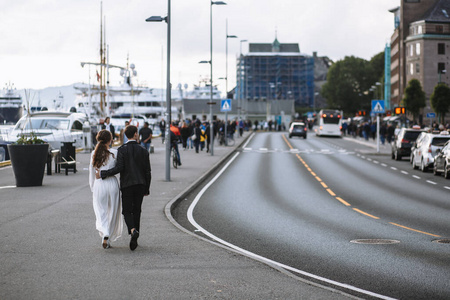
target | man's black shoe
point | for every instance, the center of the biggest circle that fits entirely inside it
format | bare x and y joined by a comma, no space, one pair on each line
133,241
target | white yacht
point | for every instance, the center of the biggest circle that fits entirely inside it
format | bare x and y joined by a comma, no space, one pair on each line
11,105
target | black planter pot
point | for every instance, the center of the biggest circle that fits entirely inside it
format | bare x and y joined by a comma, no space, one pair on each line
28,163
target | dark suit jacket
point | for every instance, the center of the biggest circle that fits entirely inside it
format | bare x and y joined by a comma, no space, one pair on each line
133,164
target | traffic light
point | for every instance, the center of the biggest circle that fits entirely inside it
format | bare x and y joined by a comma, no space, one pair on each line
400,110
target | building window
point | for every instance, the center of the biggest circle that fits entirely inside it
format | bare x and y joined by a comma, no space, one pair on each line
441,48
411,50
418,48
411,69
419,29
439,28
441,67
417,68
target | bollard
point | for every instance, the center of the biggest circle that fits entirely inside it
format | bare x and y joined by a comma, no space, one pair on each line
87,139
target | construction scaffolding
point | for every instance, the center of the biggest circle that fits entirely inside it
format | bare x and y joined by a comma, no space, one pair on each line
279,75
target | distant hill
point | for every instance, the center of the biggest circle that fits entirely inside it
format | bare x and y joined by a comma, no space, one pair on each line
46,97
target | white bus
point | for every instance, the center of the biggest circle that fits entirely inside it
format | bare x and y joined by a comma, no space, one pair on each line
329,123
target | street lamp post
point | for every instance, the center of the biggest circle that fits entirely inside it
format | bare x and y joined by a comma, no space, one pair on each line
211,131
240,80
168,86
226,75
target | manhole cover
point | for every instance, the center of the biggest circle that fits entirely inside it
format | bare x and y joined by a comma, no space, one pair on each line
375,241
442,241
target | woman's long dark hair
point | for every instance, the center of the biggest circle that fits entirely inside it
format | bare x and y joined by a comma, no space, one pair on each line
101,153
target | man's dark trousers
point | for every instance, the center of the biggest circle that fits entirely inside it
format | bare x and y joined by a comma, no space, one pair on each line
132,198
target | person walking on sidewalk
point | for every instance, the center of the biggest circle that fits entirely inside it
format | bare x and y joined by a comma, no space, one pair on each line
105,193
145,135
133,164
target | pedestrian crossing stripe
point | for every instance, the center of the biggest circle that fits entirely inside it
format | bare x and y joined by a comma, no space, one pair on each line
297,151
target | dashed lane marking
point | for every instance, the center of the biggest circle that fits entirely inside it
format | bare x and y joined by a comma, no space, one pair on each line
324,185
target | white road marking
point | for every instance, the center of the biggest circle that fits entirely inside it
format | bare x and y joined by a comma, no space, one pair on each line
394,168
384,165
417,177
190,215
404,172
7,187
432,182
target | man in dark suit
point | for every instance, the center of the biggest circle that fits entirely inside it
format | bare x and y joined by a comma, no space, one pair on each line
133,164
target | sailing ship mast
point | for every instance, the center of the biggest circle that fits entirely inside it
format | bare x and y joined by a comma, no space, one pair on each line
102,60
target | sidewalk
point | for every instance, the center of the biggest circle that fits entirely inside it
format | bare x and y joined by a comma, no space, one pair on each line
51,250
383,149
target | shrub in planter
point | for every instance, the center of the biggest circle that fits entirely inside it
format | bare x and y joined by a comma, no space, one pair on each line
28,158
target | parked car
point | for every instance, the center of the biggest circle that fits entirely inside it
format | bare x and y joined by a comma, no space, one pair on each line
52,127
427,147
298,129
442,161
402,143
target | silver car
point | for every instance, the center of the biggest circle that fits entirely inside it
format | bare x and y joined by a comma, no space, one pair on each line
427,146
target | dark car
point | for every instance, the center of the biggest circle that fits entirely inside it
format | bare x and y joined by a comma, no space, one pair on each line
442,161
298,129
402,143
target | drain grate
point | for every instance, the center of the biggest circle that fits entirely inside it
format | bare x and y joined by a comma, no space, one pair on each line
375,241
442,241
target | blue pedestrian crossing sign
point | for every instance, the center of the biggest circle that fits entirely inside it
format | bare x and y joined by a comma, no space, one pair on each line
378,106
225,105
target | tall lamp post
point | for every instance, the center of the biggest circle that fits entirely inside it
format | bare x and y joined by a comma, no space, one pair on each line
226,75
240,80
168,87
211,131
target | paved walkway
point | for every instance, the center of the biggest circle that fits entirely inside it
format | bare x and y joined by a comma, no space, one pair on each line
380,149
50,249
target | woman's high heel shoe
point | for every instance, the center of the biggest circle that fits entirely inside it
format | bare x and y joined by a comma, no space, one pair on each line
106,243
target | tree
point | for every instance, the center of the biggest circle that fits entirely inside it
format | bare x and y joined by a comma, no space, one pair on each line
440,100
414,98
347,80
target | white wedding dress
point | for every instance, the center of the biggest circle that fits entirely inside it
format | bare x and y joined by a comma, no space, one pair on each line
106,200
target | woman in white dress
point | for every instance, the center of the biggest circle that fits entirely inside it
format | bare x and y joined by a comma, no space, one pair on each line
106,193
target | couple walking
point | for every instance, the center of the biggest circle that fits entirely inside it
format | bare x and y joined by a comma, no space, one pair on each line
132,161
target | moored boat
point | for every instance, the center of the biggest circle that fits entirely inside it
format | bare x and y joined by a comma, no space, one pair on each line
11,105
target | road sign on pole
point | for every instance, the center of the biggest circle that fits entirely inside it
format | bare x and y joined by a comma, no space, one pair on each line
431,115
378,106
225,105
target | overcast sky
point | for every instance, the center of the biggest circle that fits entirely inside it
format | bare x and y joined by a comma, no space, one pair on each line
44,41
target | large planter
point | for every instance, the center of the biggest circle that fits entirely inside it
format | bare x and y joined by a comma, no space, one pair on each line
28,163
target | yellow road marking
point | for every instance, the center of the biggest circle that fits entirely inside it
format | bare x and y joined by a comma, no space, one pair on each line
331,192
364,213
435,235
343,201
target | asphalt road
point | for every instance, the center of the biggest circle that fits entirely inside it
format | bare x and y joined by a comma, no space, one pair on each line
335,213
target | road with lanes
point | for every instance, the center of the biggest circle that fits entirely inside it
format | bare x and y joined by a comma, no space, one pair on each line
333,212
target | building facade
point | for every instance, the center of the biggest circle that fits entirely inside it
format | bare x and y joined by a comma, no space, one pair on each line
275,72
420,47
